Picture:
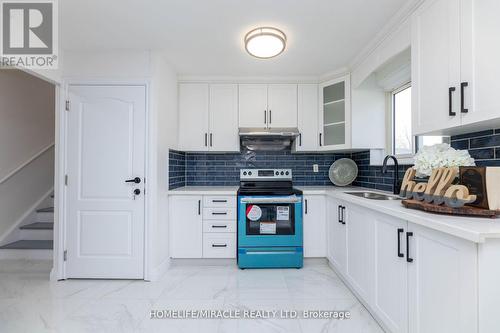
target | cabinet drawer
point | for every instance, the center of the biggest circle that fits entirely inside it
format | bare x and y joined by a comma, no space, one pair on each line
219,226
219,245
219,201
212,213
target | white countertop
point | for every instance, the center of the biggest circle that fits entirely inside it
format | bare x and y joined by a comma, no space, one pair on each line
470,228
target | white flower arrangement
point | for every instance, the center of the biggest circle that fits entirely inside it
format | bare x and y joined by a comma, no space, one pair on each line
440,155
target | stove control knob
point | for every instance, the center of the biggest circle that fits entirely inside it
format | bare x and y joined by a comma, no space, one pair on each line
282,173
277,173
249,173
244,173
287,173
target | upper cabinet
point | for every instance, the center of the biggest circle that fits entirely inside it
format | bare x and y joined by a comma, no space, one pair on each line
335,114
268,105
454,65
208,117
307,115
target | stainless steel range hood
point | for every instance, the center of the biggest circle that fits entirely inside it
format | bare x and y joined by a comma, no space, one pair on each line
267,138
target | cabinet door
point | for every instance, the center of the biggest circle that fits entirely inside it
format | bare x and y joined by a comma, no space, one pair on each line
307,112
193,116
359,239
390,299
252,105
282,105
442,282
224,118
186,227
335,115
314,226
435,66
336,236
480,67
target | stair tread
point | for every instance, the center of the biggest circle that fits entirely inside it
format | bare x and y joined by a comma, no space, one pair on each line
38,226
45,210
29,245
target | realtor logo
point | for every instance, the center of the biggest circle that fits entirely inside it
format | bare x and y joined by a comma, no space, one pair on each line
28,32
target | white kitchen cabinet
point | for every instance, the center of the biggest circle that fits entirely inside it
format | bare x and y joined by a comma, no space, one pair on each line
335,114
252,105
337,250
186,226
307,116
267,106
223,115
360,245
314,226
454,66
193,116
442,282
208,117
390,299
282,105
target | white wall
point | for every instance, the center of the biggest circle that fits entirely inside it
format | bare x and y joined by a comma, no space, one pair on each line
27,118
27,111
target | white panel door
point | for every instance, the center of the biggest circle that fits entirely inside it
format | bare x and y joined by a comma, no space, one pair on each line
106,147
479,59
435,65
307,112
390,299
193,116
314,226
282,105
224,118
186,226
442,282
252,105
360,242
337,250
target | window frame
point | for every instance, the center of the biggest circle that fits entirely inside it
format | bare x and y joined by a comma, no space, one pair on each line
406,157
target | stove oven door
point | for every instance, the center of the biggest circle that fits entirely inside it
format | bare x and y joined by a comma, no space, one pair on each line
266,221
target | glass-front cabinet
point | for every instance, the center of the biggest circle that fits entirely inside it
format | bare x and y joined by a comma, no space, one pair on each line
335,114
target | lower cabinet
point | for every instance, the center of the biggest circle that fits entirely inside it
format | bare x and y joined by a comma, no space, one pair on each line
314,226
411,278
186,226
202,226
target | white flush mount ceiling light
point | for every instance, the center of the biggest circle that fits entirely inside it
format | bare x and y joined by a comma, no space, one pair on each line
265,42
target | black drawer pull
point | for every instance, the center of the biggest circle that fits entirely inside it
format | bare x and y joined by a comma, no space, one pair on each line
219,213
199,207
450,102
218,200
306,205
400,231
408,235
219,226
219,245
462,97
338,214
343,214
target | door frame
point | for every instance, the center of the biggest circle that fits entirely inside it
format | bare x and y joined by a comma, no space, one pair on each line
59,266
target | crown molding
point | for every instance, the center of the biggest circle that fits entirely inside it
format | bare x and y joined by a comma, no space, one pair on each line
247,79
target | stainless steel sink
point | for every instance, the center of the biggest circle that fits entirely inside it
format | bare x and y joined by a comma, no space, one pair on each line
373,195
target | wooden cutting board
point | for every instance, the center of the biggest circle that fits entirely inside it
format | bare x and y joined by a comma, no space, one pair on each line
465,210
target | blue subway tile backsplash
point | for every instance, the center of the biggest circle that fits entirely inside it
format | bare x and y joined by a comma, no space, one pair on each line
222,169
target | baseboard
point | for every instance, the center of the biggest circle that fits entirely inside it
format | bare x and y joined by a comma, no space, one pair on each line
12,234
36,254
160,270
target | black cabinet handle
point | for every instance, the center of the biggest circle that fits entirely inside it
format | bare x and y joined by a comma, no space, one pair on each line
218,200
462,97
338,214
400,231
136,180
210,139
408,235
265,117
206,139
219,245
320,139
450,102
219,226
270,115
219,213
343,215
199,207
300,139
306,204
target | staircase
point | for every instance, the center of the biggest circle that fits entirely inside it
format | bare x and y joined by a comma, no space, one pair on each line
35,240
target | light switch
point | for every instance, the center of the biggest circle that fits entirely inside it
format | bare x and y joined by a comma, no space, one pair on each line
315,168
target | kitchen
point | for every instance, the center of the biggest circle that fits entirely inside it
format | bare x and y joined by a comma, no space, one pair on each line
330,166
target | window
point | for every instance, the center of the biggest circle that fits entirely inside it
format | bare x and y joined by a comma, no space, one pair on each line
404,144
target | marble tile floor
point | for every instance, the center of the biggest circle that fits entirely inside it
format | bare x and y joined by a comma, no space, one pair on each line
30,303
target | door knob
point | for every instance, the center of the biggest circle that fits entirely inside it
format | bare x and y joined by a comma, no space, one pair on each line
136,180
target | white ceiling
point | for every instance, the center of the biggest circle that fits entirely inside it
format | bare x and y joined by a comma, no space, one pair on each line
205,37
